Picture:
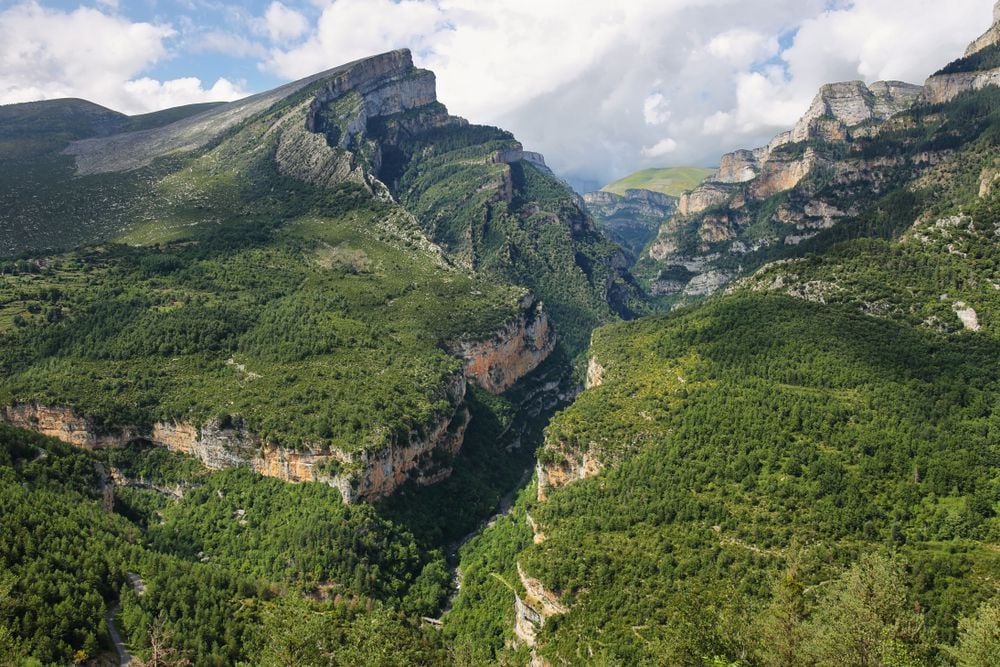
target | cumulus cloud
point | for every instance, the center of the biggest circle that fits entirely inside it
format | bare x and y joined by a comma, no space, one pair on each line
46,54
604,88
284,24
740,47
601,88
660,149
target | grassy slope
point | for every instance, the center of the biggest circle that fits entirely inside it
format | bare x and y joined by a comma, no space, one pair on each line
673,181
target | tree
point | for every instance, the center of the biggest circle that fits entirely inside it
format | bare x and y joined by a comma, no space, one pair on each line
979,638
865,618
781,626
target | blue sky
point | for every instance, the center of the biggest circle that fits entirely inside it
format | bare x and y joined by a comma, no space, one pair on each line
601,88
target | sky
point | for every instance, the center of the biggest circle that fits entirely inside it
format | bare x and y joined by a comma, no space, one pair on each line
601,87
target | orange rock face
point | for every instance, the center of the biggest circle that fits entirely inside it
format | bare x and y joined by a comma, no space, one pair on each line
516,350
494,364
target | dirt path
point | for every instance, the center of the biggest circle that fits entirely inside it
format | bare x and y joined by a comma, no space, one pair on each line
124,657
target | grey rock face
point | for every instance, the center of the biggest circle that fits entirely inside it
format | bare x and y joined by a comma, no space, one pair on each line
132,150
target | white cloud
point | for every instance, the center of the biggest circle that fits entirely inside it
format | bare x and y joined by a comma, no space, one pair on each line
352,29
742,47
602,88
46,54
284,24
175,92
656,109
660,149
597,85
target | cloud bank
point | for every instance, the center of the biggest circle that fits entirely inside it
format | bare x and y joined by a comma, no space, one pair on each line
47,54
601,88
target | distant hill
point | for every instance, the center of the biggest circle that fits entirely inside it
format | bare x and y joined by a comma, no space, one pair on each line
673,181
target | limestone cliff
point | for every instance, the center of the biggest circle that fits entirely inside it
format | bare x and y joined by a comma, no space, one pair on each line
561,466
971,72
533,609
360,476
631,219
702,248
496,363
990,38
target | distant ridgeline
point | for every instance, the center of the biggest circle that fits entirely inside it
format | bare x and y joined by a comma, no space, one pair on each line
863,161
803,469
632,209
312,276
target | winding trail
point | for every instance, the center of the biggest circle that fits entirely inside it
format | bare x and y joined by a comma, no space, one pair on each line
124,657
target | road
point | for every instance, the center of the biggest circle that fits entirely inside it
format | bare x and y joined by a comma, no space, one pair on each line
124,657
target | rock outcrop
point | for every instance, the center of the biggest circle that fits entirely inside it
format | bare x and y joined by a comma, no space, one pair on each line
534,609
990,38
633,218
132,150
719,211
638,202
559,466
359,476
942,88
968,73
496,363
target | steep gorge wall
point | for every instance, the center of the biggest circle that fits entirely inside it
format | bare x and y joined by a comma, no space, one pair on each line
495,364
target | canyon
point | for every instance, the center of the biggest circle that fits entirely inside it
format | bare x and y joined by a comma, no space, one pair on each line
495,363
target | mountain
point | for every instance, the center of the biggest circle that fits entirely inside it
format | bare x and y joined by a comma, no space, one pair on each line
632,219
335,283
344,221
671,181
800,470
339,284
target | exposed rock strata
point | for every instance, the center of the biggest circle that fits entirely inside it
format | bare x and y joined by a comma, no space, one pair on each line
534,609
495,364
132,150
568,467
989,38
942,88
723,207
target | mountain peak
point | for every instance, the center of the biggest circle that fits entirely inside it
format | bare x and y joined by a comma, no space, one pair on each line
132,150
988,38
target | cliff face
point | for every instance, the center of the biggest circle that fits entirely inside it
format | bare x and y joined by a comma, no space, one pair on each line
989,38
632,219
534,609
495,364
946,87
719,213
422,454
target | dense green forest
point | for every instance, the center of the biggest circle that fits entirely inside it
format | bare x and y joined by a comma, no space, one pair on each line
767,458
236,554
318,332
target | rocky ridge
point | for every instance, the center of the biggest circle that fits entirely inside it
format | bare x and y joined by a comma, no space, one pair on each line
132,150
788,192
